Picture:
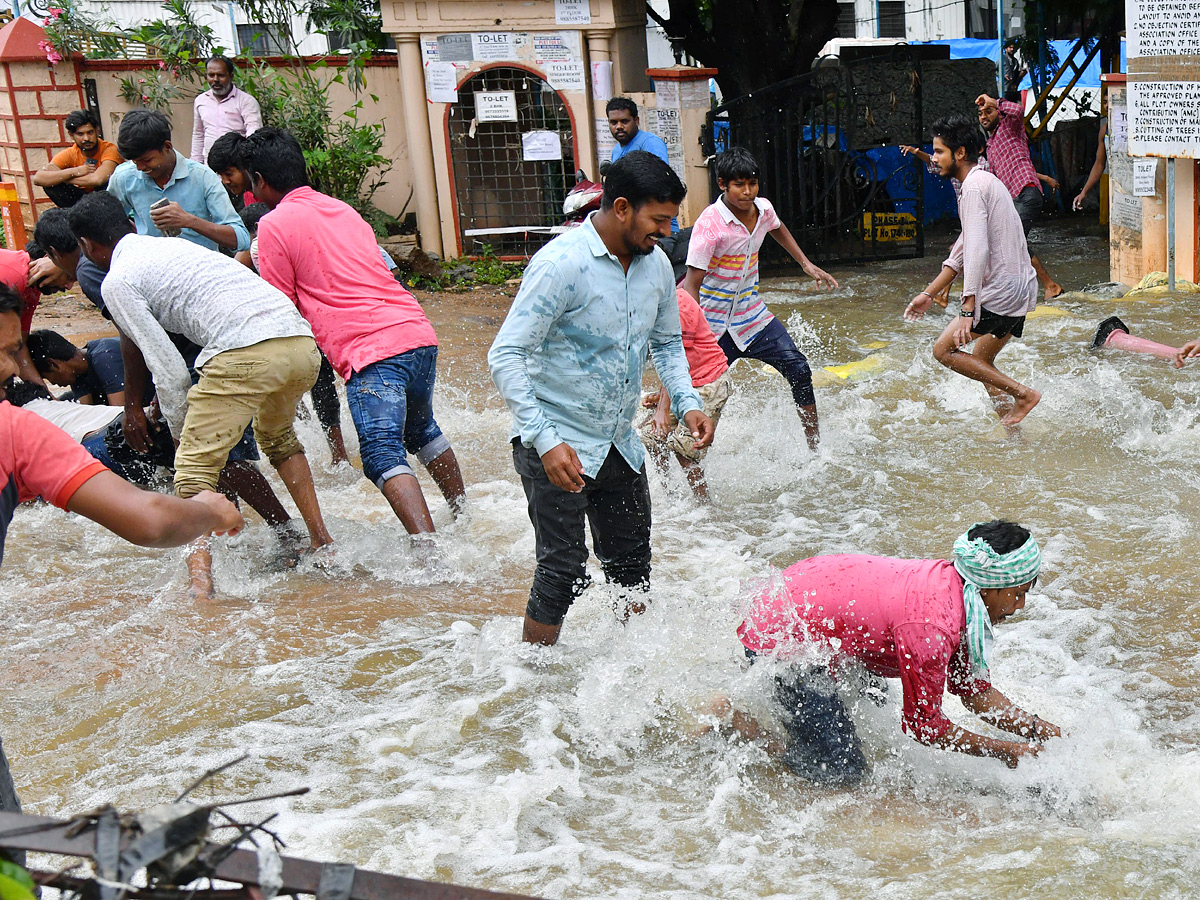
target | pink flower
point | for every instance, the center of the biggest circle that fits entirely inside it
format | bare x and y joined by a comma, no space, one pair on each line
52,54
55,12
162,64
141,81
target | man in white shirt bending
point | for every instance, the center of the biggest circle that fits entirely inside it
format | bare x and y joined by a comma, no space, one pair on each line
258,356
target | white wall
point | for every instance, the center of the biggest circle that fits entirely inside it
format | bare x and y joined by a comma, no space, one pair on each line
221,17
930,20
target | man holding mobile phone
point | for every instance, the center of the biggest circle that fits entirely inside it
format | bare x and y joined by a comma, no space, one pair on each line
165,193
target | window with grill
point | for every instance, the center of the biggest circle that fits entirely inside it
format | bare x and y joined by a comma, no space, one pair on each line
847,27
505,202
891,19
264,40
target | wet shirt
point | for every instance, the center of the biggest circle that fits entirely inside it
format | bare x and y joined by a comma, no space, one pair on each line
901,618
325,258
728,253
37,460
14,272
568,359
706,360
160,285
196,188
105,374
1008,150
76,419
991,253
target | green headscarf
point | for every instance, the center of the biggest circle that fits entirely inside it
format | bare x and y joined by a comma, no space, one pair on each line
982,567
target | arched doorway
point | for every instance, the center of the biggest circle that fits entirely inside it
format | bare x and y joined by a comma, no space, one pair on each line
503,200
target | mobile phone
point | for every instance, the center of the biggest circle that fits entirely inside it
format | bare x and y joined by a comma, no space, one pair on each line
159,204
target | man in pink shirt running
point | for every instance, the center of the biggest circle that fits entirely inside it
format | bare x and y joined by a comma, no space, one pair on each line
323,255
999,284
927,622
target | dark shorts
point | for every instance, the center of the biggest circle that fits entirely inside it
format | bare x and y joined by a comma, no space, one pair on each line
1000,326
822,744
1029,207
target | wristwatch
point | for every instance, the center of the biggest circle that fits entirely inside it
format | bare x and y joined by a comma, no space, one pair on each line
966,313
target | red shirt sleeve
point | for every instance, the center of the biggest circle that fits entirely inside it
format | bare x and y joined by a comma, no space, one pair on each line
43,459
924,653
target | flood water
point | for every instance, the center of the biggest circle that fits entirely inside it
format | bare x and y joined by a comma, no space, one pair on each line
437,746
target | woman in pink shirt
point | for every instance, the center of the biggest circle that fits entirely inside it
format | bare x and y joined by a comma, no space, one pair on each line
927,622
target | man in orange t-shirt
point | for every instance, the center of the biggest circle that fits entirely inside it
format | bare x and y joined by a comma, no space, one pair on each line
83,167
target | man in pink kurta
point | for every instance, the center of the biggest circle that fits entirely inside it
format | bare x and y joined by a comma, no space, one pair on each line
325,257
221,109
925,621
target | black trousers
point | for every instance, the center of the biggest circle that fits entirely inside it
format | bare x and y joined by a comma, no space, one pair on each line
325,397
64,195
616,505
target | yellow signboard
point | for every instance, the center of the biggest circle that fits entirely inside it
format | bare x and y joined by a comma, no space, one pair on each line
890,226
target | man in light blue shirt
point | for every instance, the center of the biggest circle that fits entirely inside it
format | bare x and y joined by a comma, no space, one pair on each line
568,361
626,130
199,209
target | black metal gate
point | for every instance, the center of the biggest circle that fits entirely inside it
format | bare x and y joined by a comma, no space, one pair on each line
827,145
506,202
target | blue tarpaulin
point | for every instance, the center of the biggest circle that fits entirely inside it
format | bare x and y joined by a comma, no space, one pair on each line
971,48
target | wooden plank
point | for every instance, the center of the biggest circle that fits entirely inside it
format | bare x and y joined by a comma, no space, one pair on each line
45,835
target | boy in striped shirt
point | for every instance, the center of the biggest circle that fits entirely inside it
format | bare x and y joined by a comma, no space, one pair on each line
723,278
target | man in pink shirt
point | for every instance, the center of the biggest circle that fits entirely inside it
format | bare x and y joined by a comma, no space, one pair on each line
1008,153
660,430
323,255
221,109
927,622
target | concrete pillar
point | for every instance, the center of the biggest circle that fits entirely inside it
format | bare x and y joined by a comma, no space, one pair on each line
416,121
683,100
1187,205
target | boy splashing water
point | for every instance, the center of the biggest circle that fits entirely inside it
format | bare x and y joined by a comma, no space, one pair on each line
722,276
999,283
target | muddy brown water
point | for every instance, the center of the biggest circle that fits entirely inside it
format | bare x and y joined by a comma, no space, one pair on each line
437,746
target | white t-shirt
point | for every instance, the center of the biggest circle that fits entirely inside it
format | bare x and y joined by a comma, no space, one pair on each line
75,419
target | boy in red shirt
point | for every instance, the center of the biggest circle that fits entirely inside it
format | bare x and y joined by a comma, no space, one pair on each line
660,430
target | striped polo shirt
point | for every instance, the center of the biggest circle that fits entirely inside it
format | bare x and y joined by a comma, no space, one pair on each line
728,253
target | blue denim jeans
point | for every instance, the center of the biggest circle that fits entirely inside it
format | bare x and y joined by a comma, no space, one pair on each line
391,403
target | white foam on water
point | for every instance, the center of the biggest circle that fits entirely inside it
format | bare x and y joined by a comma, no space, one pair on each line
438,746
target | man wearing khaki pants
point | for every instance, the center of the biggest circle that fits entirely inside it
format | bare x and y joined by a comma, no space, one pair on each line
258,357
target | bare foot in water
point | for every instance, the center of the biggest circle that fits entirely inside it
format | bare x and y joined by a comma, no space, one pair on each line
1022,406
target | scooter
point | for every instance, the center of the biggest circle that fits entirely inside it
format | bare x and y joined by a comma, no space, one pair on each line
582,200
